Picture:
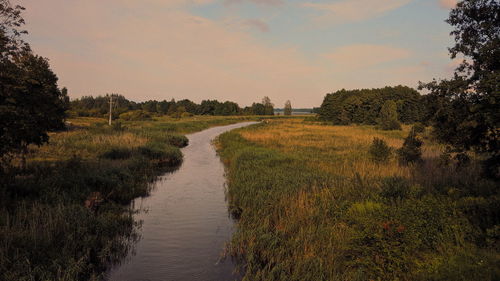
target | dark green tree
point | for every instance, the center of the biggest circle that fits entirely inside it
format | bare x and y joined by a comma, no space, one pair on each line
467,115
363,106
288,108
411,151
268,106
31,104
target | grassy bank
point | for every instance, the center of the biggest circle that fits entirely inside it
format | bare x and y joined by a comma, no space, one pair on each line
65,216
313,206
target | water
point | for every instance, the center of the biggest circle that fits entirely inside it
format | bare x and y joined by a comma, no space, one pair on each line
186,222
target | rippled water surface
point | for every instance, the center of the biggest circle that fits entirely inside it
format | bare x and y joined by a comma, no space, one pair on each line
186,223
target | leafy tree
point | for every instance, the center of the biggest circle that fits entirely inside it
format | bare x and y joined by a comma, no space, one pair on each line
363,106
268,106
467,116
388,119
288,108
31,104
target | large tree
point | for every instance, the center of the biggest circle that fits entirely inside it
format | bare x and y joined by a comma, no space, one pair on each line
31,104
468,111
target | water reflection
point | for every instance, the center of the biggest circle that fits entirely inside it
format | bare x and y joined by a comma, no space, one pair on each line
184,223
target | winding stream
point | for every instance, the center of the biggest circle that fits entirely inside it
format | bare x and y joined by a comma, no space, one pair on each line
186,223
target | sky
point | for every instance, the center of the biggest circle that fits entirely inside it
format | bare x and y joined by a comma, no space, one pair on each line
239,50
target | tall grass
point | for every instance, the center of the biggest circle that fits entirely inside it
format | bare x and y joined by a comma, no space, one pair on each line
312,206
50,229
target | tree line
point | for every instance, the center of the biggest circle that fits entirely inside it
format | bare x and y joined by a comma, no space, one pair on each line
365,106
124,108
463,110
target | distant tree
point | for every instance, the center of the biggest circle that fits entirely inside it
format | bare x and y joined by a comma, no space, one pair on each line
162,107
179,112
388,119
288,108
172,109
363,106
257,109
31,104
467,115
268,106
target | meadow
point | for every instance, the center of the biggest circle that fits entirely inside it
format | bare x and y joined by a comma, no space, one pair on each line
312,205
65,215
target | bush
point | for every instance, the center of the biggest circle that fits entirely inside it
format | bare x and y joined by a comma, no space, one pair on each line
391,125
117,153
411,151
379,151
177,140
136,115
186,114
117,126
418,128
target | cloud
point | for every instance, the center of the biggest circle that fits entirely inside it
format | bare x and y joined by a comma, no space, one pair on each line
359,56
256,23
347,11
447,4
164,53
259,2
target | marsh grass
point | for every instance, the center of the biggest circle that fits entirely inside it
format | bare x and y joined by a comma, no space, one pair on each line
46,230
312,206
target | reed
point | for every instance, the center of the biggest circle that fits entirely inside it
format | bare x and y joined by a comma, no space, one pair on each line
66,216
311,205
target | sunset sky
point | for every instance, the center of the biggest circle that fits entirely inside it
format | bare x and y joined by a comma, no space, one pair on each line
239,50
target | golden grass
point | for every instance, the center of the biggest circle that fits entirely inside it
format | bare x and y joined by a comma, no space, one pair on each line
339,150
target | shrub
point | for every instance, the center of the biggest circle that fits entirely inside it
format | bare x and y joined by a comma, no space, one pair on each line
117,153
418,128
379,151
177,140
411,151
186,114
136,115
117,126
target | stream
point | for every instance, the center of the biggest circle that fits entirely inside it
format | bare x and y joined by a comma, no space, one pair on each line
185,220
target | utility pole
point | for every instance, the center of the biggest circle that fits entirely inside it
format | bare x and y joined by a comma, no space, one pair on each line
110,108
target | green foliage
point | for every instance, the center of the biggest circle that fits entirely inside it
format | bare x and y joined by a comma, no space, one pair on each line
117,153
47,232
364,106
128,110
418,128
31,104
296,222
136,115
379,151
411,151
466,114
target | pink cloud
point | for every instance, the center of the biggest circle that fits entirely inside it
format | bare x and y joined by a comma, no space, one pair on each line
260,2
354,10
358,56
165,53
256,23
447,4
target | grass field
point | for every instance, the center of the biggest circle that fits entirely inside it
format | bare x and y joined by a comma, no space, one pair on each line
65,217
313,206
